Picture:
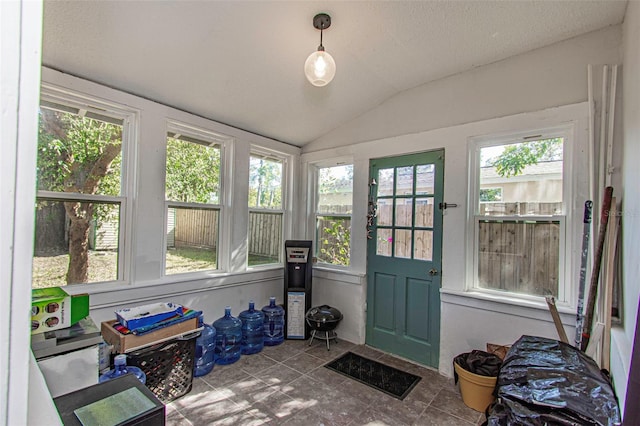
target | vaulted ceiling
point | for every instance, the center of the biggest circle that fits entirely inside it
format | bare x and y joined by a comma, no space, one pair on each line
241,62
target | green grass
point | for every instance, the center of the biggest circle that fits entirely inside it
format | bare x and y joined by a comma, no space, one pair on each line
50,271
190,259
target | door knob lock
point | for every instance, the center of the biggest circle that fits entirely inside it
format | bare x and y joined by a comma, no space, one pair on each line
433,271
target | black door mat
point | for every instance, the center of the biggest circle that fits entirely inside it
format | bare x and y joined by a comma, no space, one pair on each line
382,377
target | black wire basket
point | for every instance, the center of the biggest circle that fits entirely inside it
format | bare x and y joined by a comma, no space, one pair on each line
168,366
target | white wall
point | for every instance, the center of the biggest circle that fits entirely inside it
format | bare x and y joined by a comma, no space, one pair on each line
546,77
345,292
623,336
541,88
489,316
21,32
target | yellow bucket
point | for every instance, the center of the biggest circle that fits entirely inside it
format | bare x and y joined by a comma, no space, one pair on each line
476,390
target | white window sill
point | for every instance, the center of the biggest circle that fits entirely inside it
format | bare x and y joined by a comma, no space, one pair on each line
110,294
342,275
505,304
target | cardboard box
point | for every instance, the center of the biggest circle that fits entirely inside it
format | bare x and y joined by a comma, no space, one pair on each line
123,343
53,308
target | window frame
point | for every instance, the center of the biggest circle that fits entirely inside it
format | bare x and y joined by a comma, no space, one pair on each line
77,102
314,170
222,142
566,131
258,151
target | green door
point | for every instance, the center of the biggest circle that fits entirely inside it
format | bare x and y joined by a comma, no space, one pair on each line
404,252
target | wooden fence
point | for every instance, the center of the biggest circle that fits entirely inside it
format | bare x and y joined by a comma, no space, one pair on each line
265,234
519,257
521,208
194,228
199,228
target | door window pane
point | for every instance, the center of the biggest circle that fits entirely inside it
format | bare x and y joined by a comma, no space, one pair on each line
425,175
402,243
385,212
404,180
404,211
423,245
383,242
424,212
385,182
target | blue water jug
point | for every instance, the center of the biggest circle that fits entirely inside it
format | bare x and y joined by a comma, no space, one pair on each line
228,338
121,368
252,330
205,344
273,323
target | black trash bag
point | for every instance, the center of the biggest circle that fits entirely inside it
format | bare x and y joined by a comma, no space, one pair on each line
478,362
547,382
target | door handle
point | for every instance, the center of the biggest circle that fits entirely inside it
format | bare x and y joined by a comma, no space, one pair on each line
433,271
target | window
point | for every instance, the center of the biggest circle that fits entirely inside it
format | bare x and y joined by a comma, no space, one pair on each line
81,191
265,209
192,194
489,194
519,214
333,214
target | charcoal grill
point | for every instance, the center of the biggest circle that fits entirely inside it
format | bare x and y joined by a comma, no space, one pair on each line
323,319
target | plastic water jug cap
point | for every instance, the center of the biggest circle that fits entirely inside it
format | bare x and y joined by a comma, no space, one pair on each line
120,359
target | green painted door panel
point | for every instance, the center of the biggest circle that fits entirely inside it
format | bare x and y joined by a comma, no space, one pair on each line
404,255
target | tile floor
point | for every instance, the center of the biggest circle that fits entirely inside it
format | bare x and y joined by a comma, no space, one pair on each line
288,385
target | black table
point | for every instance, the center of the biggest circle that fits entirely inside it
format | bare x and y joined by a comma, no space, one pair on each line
121,395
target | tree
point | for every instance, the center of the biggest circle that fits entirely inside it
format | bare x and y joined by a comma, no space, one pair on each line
515,157
265,180
335,179
193,172
334,247
78,155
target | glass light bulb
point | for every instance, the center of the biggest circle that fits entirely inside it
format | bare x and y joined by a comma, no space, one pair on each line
320,68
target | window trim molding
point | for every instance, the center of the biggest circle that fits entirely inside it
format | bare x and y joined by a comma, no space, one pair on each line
224,143
129,150
286,207
566,130
312,207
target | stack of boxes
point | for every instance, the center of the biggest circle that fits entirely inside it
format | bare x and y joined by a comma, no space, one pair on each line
63,335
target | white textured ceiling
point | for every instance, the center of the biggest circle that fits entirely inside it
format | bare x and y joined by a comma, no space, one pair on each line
240,62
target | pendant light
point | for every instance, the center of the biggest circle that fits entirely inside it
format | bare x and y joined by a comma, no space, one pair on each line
320,68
